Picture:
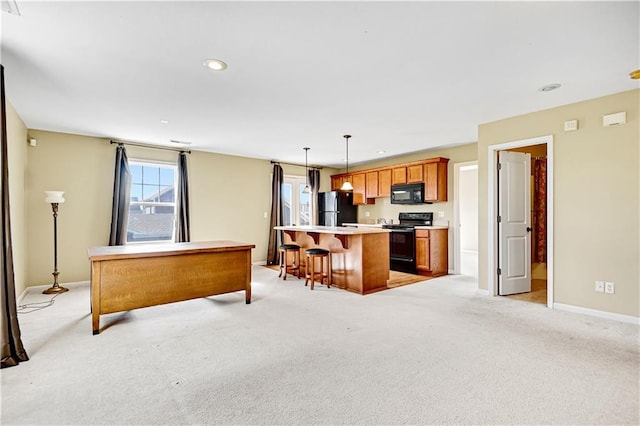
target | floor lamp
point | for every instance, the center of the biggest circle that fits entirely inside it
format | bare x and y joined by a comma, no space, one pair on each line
55,198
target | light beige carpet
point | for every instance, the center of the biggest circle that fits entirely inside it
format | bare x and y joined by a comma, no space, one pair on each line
435,352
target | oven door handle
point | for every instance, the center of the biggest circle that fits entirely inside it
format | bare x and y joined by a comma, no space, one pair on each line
406,231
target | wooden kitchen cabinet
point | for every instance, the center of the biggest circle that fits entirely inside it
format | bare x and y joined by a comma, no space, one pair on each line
378,181
359,182
372,184
435,180
398,175
432,252
422,251
336,182
384,183
415,173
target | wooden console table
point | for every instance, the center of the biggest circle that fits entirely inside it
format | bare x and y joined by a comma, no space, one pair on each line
142,275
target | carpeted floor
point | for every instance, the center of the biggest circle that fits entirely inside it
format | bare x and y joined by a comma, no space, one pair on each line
435,352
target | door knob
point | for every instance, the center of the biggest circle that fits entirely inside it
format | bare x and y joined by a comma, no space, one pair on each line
529,229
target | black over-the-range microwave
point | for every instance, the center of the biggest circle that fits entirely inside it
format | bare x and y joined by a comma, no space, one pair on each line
407,193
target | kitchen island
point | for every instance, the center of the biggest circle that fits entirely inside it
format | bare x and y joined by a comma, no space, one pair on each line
360,256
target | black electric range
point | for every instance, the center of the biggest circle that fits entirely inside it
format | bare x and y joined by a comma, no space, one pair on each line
402,240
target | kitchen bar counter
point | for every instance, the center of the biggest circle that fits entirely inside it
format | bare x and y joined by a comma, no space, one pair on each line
360,256
337,230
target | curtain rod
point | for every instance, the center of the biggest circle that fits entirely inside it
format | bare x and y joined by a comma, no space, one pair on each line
146,145
295,164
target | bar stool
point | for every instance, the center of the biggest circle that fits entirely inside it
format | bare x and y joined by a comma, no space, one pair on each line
289,267
322,254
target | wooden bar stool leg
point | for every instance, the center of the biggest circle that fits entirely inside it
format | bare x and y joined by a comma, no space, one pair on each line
281,256
329,270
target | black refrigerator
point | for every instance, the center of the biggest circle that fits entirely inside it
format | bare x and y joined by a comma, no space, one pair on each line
336,208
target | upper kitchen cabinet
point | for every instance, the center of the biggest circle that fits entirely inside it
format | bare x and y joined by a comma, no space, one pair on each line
338,180
359,182
415,173
398,175
384,183
372,184
435,179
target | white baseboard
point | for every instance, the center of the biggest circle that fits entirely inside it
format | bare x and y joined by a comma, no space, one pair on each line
482,291
260,263
40,288
595,313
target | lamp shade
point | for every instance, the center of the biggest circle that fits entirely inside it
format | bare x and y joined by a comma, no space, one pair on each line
54,197
346,186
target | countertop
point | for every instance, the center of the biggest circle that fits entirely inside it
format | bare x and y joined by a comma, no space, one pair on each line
338,230
364,225
379,225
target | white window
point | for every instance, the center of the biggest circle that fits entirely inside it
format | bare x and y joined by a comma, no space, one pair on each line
297,204
153,202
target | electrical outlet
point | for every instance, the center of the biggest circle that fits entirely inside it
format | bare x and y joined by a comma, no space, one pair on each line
600,286
366,214
440,214
609,287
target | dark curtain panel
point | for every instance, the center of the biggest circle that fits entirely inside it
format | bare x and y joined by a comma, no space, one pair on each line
275,237
314,183
182,207
121,191
540,210
12,350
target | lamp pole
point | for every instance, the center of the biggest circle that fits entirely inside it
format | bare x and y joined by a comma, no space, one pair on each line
55,288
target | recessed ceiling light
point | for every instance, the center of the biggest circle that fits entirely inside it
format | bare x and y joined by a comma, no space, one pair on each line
382,152
180,142
215,64
549,87
164,121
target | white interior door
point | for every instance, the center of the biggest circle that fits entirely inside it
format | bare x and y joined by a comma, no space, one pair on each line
514,223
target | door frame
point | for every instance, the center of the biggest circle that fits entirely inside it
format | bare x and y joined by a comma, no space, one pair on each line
492,235
457,254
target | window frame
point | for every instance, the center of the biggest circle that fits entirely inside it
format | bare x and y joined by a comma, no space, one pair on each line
295,181
159,164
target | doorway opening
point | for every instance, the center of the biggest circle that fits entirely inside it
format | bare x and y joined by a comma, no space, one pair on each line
465,219
541,150
538,220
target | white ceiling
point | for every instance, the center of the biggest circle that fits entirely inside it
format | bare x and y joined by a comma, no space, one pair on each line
398,76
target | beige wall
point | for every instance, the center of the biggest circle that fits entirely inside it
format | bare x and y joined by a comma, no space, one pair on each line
596,199
228,195
17,162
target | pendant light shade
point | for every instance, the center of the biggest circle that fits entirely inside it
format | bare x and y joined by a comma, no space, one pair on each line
306,189
346,185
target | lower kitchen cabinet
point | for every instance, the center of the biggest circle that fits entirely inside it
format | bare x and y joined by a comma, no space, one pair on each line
432,252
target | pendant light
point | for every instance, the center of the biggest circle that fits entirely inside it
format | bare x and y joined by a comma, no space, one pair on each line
306,189
346,186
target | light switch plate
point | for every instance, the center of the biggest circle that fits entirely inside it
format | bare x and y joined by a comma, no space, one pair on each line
600,286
